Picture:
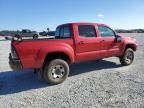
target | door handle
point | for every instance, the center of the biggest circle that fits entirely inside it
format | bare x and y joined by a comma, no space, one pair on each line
102,40
81,42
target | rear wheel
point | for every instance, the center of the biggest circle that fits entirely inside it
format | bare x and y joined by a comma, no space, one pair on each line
127,57
56,71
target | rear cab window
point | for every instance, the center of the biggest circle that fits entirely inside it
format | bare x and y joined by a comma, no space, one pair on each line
87,31
63,31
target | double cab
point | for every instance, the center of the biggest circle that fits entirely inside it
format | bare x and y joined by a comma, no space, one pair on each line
72,43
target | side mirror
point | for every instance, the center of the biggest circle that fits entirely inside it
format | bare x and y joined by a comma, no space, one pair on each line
118,38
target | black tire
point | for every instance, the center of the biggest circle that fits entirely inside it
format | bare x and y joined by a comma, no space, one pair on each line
56,71
35,36
127,57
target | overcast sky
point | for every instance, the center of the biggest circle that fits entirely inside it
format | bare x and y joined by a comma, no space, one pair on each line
40,14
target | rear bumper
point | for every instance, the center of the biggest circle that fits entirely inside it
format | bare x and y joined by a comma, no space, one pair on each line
15,64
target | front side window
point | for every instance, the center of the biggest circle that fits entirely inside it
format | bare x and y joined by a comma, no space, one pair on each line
106,31
87,31
24,31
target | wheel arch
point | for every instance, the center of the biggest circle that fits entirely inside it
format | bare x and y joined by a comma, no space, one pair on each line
132,46
56,55
126,46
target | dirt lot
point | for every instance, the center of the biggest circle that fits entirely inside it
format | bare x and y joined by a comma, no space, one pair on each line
95,84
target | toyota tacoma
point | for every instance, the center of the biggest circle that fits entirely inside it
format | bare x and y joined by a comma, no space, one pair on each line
73,42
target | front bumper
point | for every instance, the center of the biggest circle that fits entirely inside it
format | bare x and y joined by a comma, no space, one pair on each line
15,64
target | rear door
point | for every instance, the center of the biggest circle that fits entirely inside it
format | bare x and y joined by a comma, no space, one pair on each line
87,43
109,46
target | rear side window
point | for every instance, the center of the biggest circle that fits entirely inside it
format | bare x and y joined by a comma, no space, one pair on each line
63,32
106,31
87,31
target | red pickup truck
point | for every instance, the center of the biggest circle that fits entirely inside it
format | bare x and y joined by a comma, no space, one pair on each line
73,42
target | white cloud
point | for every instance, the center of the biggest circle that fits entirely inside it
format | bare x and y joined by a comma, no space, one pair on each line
100,15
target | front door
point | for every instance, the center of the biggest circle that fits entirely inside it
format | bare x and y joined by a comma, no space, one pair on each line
109,46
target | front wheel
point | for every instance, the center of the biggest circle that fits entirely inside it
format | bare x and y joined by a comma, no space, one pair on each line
127,57
56,71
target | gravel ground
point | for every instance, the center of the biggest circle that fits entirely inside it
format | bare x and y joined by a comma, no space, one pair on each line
95,84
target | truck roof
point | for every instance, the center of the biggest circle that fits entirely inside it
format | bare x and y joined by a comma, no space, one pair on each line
84,23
